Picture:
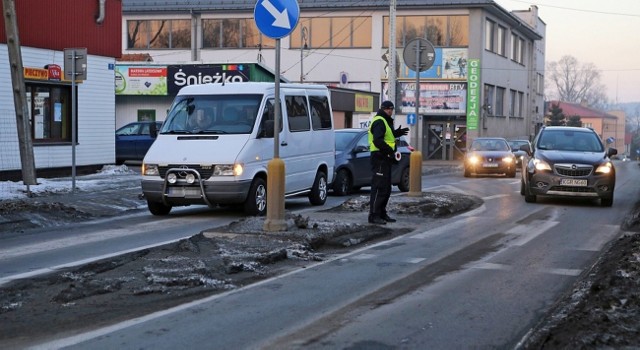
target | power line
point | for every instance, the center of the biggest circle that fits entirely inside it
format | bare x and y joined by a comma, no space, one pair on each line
577,9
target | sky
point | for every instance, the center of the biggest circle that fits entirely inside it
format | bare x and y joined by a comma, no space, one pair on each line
604,33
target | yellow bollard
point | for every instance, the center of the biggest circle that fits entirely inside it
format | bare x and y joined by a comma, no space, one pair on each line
275,197
415,174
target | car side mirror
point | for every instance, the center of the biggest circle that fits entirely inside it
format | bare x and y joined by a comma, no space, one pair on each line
612,152
360,148
526,148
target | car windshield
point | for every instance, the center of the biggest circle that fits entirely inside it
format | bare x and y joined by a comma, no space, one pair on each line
515,145
212,114
489,145
569,140
343,139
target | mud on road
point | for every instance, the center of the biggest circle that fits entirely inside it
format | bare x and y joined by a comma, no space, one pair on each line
105,292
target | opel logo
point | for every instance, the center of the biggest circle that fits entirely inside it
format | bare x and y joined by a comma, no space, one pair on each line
574,167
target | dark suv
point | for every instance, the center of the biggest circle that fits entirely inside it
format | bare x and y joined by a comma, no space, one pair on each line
569,162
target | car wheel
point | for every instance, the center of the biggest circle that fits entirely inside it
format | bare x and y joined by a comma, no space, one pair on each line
522,187
529,198
318,193
405,180
467,172
342,184
606,201
158,208
512,173
256,202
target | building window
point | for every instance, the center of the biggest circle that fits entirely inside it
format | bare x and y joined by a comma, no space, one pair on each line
489,92
502,41
438,30
512,102
49,112
159,34
489,32
333,32
517,49
499,107
233,33
520,104
539,83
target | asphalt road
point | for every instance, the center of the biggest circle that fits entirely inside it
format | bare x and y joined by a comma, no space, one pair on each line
481,279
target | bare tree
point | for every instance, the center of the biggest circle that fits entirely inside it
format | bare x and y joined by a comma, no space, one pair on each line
576,82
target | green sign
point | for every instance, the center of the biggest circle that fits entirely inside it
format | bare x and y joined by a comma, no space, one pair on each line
473,94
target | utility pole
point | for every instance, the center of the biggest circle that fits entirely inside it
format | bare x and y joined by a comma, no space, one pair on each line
19,95
392,53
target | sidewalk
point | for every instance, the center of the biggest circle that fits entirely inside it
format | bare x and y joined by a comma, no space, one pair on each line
97,196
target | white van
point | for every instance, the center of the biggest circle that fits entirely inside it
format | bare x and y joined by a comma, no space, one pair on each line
216,141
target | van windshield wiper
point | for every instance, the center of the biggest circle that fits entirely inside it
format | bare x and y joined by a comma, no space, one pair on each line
211,131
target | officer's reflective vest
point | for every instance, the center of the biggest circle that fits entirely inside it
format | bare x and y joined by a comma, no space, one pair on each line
388,135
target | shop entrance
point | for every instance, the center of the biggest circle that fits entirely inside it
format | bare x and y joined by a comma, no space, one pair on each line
444,140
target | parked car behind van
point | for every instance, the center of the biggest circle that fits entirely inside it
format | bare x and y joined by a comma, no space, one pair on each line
215,144
134,139
353,162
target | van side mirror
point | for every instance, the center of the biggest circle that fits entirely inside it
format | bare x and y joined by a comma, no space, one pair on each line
153,130
267,128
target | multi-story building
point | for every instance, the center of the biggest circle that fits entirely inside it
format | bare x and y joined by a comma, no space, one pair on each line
486,78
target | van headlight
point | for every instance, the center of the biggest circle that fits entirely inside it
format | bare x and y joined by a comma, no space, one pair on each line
150,169
228,170
604,168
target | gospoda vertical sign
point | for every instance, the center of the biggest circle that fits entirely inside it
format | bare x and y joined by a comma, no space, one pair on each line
473,93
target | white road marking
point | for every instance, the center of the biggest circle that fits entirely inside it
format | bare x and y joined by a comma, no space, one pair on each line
562,272
530,231
416,260
490,266
363,256
495,196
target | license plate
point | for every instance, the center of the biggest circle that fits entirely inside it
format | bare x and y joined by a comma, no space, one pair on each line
183,192
490,165
573,182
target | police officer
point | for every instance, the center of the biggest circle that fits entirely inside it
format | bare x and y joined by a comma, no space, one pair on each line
382,144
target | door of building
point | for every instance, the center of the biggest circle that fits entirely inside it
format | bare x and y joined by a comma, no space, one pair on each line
444,141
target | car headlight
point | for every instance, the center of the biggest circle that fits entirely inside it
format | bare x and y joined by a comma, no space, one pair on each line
473,159
150,169
228,170
508,159
541,165
604,168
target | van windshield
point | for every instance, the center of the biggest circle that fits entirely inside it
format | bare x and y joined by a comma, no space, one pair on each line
212,114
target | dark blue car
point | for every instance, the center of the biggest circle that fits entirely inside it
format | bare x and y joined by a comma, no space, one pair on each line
353,165
134,139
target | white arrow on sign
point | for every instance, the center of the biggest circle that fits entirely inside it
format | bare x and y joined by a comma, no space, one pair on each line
281,18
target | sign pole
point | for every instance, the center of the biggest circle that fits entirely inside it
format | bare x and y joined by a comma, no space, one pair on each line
415,160
276,20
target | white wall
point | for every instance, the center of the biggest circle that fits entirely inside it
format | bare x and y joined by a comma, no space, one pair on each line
95,112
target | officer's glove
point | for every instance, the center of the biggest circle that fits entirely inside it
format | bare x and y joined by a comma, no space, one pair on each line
400,131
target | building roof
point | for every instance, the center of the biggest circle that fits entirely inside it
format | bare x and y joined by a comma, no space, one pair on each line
571,109
171,6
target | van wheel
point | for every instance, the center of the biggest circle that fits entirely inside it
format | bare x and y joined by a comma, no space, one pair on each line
606,201
404,184
342,184
318,193
256,202
158,208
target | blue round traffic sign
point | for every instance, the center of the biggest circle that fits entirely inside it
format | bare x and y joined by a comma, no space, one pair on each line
276,18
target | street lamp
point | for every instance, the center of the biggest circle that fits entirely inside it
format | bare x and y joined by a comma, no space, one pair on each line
303,46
